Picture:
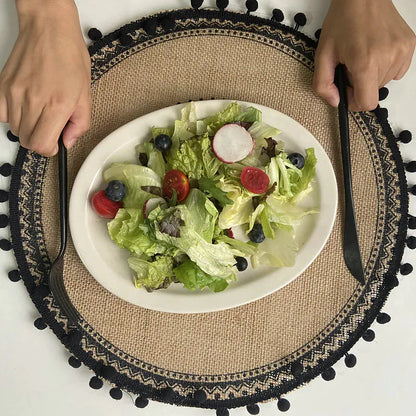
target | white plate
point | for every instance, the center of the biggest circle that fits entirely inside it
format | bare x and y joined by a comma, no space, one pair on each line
108,263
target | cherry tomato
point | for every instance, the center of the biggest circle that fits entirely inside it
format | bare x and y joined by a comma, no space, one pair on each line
254,180
177,180
104,207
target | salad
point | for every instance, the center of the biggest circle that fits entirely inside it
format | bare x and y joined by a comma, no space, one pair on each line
196,186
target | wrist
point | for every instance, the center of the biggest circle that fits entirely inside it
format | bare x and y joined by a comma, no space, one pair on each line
38,8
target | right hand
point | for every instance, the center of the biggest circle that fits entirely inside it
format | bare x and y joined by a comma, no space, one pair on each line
45,84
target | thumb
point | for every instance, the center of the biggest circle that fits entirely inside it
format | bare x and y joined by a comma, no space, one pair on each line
78,124
323,78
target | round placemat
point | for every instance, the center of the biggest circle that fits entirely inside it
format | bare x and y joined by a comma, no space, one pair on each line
258,351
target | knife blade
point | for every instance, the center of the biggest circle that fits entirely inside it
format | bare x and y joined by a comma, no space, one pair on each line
352,254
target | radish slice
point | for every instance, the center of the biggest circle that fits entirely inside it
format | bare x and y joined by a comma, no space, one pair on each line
232,143
151,204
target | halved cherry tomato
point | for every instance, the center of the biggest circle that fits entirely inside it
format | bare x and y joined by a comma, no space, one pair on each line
254,180
177,180
104,207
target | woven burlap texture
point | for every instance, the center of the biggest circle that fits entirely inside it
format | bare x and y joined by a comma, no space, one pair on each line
268,329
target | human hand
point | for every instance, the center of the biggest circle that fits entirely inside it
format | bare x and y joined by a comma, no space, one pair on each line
374,43
45,84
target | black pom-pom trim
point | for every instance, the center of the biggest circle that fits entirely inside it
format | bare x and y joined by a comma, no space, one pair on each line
222,411
6,169
382,113
141,402
167,394
200,396
150,26
252,5
14,275
196,4
4,195
96,383
40,292
412,190
5,245
283,405
4,221
383,318
369,335
350,360
406,269
278,15
94,34
125,40
73,362
412,222
12,137
222,4
411,242
300,19
116,393
40,323
392,282
405,136
329,374
318,34
108,372
73,338
167,23
296,368
383,93
411,166
253,409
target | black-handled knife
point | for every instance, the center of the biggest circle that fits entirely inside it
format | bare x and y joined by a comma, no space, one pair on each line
352,255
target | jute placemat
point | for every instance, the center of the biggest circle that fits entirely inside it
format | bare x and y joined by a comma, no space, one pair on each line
257,351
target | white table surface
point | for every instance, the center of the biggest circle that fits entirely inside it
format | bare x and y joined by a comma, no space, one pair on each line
35,377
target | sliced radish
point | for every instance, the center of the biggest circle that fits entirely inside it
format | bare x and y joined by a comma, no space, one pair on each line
232,143
151,204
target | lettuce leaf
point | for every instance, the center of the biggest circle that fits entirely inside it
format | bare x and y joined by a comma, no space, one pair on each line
134,177
194,278
216,121
209,186
152,274
278,252
260,131
250,115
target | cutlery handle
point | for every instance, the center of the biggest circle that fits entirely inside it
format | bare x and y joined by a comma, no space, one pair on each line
63,197
352,253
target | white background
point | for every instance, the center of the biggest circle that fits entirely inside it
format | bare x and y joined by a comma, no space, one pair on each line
35,378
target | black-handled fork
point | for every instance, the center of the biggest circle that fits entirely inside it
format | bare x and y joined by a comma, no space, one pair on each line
352,255
56,274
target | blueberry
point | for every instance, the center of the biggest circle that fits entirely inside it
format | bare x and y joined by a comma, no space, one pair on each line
256,234
241,263
115,191
163,142
297,160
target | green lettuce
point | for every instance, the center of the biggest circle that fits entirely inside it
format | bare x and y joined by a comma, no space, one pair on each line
209,186
152,274
155,159
195,158
134,177
194,278
260,130
250,115
228,115
130,231
278,252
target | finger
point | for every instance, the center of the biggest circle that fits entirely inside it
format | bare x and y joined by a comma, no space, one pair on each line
403,69
3,109
364,93
44,139
323,79
14,112
79,123
30,117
